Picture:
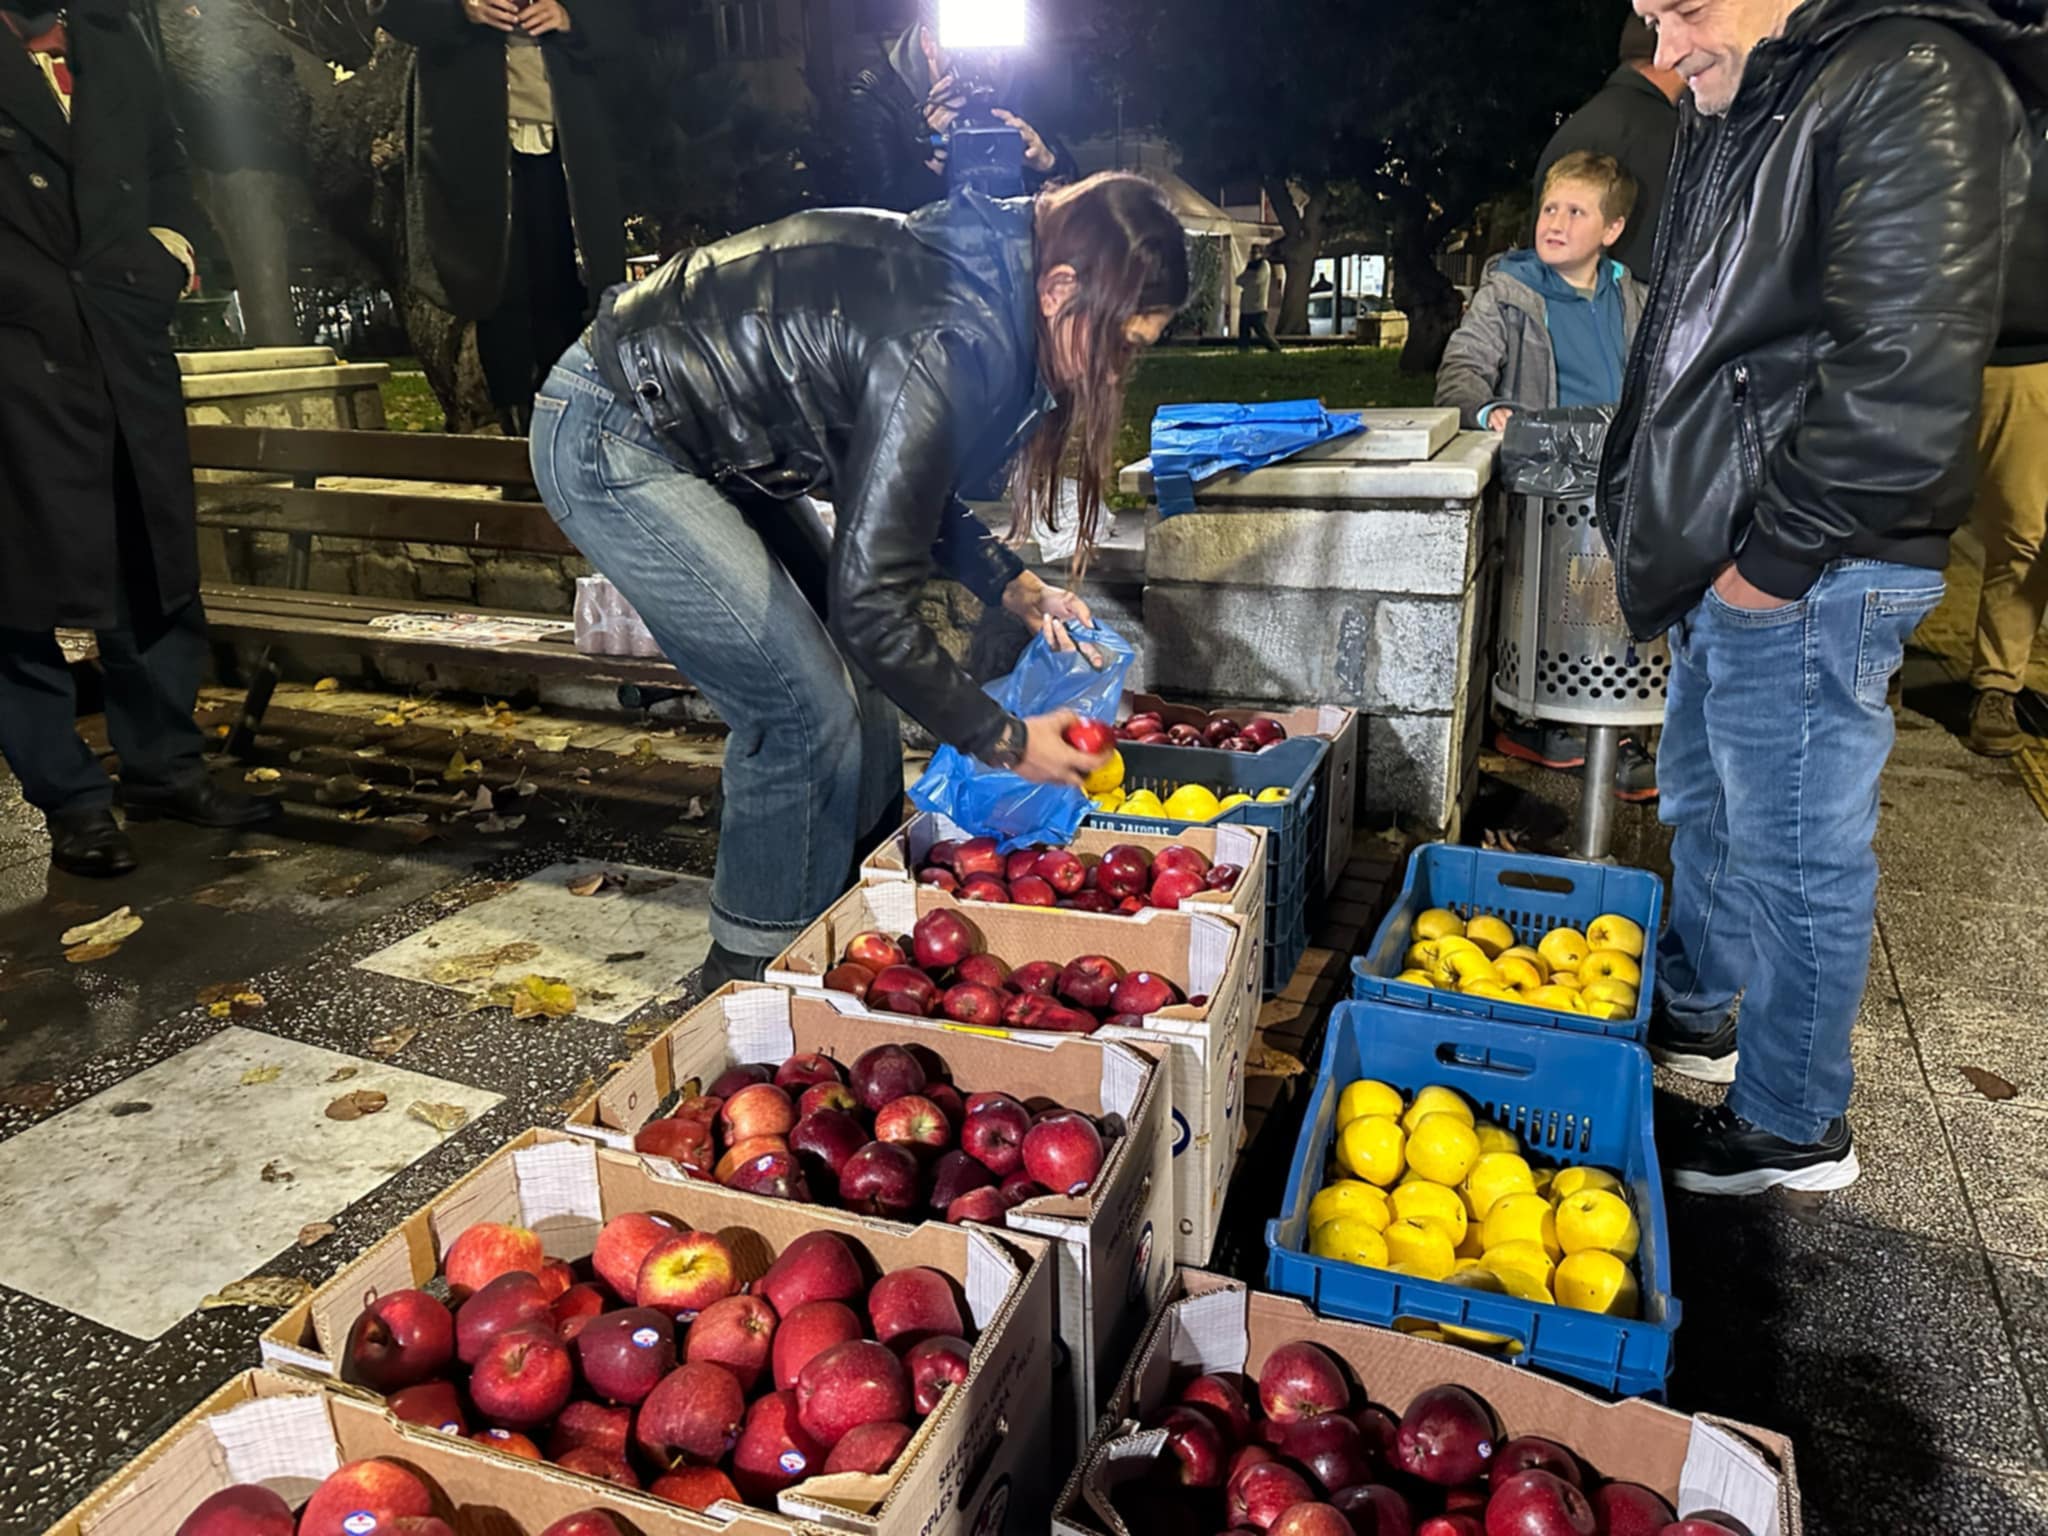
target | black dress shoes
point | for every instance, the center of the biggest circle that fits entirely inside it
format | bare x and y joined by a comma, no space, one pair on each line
202,803
89,843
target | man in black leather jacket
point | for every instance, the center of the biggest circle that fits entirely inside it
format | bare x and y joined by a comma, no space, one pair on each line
1793,447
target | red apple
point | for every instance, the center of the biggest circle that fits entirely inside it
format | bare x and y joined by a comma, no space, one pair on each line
1526,1453
1143,993
1447,1437
1451,1525
850,1385
904,989
969,1002
851,978
694,1487
1087,982
400,1338
942,939
487,1250
774,1174
247,1509
1019,864
741,1153
383,1490
876,951
605,1466
698,1106
1060,1019
1630,1509
556,1277
1089,736
883,1073
1131,906
1027,1010
737,1333
951,1105
994,1134
941,853
977,856
913,1121
1260,1493
871,1448
432,1404
1245,1456
824,1096
1312,1519
1020,1187
881,1179
775,1451
1060,869
1033,892
1221,1396
1197,1444
1331,1450
822,1141
1151,738
806,1070
524,1378
1382,1432
760,1110
1223,877
589,1522
939,880
1177,858
1235,744
935,1364
955,1174
585,1425
622,1248
907,1305
684,1274
984,970
808,1332
1091,901
1374,1509
986,888
1063,1151
1127,856
624,1355
508,1302
693,1144
1182,735
1170,890
693,1416
1262,731
1139,724
510,1441
1039,976
1216,729
1539,1503
990,1206
819,1266
1300,1381
733,1079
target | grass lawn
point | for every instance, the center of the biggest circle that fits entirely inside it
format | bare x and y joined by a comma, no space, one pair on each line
1339,376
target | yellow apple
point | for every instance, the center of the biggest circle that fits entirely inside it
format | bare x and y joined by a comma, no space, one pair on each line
1563,948
1437,922
1610,965
1490,934
1613,931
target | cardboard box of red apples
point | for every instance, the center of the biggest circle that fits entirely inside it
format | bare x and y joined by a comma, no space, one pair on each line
773,1362
1112,1237
1246,1410
1338,781
266,1444
1202,956
907,857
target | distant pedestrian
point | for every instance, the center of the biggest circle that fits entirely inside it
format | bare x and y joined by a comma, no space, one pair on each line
1791,454
1634,118
96,506
2012,498
1255,296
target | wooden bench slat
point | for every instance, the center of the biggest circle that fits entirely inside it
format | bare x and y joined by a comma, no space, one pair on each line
392,455
518,526
341,605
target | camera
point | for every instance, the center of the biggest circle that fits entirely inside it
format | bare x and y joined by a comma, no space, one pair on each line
980,38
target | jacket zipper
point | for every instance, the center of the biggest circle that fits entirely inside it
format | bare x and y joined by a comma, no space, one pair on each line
1747,428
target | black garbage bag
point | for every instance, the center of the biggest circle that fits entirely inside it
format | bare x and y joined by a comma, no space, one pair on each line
1555,454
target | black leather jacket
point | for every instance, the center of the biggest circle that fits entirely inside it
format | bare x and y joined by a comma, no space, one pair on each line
1828,285
880,363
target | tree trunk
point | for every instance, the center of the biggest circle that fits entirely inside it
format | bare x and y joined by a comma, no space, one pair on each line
1301,245
247,207
1429,299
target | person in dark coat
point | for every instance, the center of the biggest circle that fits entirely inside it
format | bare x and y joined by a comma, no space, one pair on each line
894,111
513,213
1633,118
96,505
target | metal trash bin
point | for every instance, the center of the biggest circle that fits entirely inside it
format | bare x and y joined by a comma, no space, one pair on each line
1564,653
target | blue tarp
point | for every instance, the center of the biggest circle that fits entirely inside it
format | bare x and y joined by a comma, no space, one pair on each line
1193,443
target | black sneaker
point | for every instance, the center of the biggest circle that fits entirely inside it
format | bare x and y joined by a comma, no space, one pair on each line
1720,1153
1995,725
1635,773
1704,1058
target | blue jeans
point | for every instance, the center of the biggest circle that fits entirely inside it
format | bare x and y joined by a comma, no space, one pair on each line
1775,733
733,593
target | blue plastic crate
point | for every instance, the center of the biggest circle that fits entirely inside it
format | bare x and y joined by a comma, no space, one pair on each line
1294,848
1532,895
1572,1098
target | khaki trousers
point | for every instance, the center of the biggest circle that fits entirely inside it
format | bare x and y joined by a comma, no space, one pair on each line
2011,516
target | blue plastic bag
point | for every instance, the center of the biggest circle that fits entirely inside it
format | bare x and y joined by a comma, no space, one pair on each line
1193,443
993,802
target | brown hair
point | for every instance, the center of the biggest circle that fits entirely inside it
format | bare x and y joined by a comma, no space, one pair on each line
1130,258
1604,173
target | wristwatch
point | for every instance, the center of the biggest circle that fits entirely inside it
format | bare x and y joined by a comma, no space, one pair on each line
1008,749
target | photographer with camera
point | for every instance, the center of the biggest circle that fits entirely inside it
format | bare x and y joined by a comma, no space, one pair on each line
906,119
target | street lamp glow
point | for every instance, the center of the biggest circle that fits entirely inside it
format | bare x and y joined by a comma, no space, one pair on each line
981,24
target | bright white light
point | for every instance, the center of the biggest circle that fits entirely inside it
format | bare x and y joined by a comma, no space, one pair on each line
981,24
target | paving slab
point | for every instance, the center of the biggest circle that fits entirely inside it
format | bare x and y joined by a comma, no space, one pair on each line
2002,1150
1964,943
1855,1488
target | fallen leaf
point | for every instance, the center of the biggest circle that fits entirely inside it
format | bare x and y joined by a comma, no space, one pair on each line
553,741
111,929
261,776
296,757
342,789
1265,1061
591,884
85,954
484,801
407,819
255,1076
525,791
390,717
411,707
386,1046
342,1074
479,966
254,853
328,685
442,1117
369,751
360,813
582,775
315,1232
339,887
695,810
643,749
220,991
260,1291
492,824
504,720
548,996
272,1174
1990,1084
223,731
458,765
226,895
621,956
31,1096
353,1106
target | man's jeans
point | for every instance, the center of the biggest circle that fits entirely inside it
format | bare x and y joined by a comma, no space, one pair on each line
814,759
1775,733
